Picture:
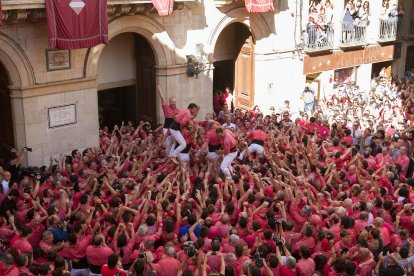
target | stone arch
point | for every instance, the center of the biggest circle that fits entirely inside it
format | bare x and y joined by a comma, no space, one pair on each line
254,22
16,63
145,26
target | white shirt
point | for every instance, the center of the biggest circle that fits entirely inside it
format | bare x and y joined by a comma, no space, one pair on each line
231,125
5,186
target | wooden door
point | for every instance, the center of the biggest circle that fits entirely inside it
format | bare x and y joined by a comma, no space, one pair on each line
6,119
146,96
244,76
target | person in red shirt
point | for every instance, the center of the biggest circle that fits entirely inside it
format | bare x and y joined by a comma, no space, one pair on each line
287,268
258,137
23,244
22,261
97,254
188,137
113,267
170,110
182,119
8,268
228,143
211,140
169,265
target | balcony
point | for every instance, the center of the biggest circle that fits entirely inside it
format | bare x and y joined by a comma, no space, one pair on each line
319,38
354,34
388,29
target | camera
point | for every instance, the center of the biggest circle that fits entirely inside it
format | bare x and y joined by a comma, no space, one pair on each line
278,222
28,149
277,241
258,259
189,249
33,172
60,224
369,227
141,254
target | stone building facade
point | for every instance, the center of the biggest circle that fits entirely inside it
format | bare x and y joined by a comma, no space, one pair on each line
260,55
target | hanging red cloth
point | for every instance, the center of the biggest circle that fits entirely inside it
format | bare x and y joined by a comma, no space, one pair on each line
75,24
1,15
259,5
164,7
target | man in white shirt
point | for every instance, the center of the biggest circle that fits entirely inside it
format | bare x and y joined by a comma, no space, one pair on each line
228,123
309,99
5,182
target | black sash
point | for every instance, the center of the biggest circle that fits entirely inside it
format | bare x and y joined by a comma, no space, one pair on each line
213,148
96,269
175,126
187,148
81,264
168,122
258,142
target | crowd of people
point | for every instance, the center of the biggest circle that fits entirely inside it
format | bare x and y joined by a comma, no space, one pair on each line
238,193
321,11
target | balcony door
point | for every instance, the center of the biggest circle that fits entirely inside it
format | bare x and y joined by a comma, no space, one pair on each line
244,76
234,65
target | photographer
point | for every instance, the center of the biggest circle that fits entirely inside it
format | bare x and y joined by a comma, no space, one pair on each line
58,229
287,267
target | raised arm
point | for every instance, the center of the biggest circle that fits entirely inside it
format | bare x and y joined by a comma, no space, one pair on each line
159,91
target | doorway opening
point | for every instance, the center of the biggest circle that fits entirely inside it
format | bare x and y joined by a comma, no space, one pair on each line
377,68
126,81
234,65
6,121
409,60
115,105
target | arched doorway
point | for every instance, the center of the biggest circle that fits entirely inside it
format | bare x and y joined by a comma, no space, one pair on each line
234,64
126,81
6,118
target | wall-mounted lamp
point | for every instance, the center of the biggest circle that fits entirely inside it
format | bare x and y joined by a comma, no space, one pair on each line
195,66
197,62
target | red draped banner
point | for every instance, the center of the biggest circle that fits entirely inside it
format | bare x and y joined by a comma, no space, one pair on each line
1,15
164,7
259,5
75,24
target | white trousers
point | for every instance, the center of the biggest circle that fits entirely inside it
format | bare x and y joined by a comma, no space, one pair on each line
252,149
169,142
225,166
177,137
184,157
212,155
79,272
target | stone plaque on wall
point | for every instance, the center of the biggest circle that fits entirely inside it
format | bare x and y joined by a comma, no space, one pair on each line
62,115
57,60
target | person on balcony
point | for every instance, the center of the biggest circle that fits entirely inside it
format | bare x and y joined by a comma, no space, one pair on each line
385,9
329,11
348,21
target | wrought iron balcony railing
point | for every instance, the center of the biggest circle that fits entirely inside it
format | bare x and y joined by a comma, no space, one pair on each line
388,29
353,33
319,37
